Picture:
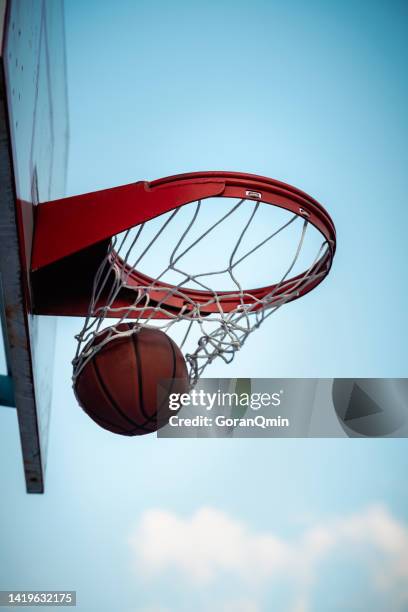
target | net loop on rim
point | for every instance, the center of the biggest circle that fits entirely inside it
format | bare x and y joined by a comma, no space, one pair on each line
224,319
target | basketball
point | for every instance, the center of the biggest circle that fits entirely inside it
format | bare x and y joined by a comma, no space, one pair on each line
118,386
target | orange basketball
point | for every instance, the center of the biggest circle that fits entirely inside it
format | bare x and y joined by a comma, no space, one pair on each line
117,387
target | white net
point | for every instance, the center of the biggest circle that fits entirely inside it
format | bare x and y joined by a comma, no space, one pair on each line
188,264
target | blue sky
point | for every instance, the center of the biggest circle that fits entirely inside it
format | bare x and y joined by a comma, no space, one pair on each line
309,94
313,94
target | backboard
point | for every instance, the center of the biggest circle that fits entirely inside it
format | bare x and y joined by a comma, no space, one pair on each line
33,150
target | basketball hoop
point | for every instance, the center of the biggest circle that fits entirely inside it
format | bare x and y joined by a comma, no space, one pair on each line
225,318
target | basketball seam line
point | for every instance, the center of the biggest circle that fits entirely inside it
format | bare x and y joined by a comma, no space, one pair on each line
97,417
173,374
112,400
135,343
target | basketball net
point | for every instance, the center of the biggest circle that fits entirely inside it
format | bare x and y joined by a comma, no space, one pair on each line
222,332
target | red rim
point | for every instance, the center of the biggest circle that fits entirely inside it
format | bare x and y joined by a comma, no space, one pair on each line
242,186
79,228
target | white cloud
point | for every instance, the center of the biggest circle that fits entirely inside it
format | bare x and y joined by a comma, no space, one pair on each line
301,604
155,608
236,605
210,545
241,604
204,545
